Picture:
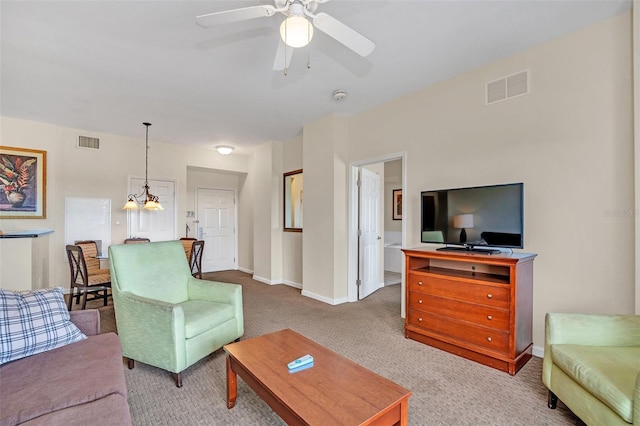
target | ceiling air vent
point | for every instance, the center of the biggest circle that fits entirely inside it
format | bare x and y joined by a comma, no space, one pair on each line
508,87
88,142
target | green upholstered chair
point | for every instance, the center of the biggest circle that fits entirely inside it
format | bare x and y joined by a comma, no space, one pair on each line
165,316
592,364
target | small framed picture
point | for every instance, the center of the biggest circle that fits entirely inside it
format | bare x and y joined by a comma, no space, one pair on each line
23,180
397,204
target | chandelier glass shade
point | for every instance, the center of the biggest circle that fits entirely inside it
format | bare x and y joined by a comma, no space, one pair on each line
145,199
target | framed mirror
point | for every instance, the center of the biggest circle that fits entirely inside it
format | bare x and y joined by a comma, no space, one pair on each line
293,186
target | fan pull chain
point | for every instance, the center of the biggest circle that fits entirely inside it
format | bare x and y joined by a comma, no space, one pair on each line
308,49
286,69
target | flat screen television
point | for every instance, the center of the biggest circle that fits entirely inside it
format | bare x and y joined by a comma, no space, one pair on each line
479,219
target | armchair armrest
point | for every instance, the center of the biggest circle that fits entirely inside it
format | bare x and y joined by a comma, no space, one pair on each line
214,291
148,326
88,321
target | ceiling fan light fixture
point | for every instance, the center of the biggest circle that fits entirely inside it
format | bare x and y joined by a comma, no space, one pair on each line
224,149
296,31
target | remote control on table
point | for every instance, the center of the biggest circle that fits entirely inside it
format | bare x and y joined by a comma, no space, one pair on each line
304,360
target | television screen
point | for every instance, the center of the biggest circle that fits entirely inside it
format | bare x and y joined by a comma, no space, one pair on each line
479,216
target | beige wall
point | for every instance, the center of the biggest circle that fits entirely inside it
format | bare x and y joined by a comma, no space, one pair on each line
324,265
570,142
267,212
103,173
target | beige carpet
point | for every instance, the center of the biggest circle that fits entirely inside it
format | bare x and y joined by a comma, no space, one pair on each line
447,390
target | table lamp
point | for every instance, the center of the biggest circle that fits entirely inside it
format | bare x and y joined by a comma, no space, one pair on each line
463,221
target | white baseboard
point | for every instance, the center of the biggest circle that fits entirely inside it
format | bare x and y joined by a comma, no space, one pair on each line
245,270
538,351
323,299
266,281
292,284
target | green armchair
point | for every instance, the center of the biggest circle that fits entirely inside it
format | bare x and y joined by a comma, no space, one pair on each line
165,316
592,364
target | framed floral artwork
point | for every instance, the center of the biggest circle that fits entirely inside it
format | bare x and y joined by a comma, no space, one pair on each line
23,180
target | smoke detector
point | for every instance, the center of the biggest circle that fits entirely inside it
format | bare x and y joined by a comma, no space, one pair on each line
339,95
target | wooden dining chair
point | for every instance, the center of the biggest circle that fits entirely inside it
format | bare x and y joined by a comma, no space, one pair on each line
90,252
81,282
193,251
137,240
187,243
195,258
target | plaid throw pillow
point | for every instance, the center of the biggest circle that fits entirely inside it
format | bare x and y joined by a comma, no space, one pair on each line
34,322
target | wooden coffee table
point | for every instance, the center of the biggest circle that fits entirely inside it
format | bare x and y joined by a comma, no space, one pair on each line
335,391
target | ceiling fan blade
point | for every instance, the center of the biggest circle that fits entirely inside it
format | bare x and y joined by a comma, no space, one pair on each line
234,15
283,56
344,34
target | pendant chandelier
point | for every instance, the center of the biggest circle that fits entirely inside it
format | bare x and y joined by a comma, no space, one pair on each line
146,199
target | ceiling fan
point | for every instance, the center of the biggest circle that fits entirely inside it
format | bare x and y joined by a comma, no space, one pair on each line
296,29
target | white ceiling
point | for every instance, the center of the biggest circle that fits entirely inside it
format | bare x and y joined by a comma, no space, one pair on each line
107,66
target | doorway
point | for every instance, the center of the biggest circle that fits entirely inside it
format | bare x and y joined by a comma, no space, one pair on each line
216,225
157,225
359,258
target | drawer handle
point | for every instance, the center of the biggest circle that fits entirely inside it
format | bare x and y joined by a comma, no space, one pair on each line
419,282
489,339
489,296
420,301
419,319
489,317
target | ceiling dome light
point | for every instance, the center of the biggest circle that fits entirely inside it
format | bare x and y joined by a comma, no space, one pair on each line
225,149
296,30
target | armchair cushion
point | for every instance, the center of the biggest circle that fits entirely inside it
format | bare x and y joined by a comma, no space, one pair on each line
201,315
608,373
34,322
592,364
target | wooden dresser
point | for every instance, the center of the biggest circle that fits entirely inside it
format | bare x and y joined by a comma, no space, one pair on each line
477,306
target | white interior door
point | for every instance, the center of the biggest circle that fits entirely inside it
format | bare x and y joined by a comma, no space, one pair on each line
370,239
157,225
217,227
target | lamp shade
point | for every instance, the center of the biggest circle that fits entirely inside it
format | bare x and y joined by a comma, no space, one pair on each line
130,205
463,221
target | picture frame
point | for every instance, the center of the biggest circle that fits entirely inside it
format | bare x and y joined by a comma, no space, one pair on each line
396,204
23,183
292,200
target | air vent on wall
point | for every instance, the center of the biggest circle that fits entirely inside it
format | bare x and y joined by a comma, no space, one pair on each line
508,87
88,142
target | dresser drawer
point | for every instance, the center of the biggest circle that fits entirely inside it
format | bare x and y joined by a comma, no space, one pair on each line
477,314
464,332
494,296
